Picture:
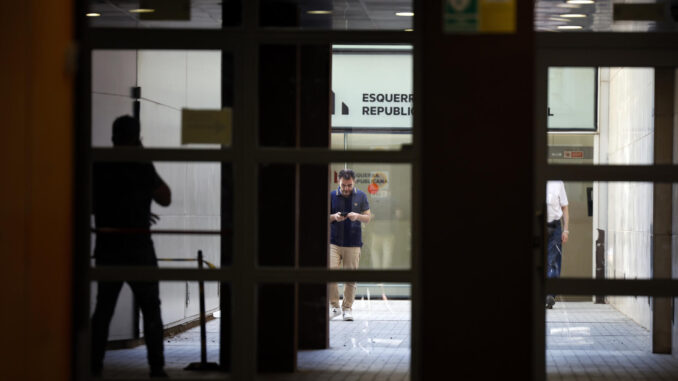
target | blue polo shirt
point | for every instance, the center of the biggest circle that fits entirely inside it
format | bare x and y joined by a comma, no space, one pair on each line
347,233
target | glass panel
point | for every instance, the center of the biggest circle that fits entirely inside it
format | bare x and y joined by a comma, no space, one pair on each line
338,14
373,100
136,219
128,318
294,215
386,236
608,338
176,14
615,229
572,98
604,16
620,113
376,342
339,96
177,96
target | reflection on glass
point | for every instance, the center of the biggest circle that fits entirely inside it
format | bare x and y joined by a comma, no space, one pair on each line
607,338
176,95
617,104
163,213
176,14
603,16
384,240
165,316
618,230
338,14
372,97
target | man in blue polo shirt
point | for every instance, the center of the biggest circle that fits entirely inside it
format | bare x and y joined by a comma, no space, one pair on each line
349,208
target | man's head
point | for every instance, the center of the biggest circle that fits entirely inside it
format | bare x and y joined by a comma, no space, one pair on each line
346,181
126,131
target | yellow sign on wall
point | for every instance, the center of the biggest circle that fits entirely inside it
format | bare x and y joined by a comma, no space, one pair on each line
479,16
206,126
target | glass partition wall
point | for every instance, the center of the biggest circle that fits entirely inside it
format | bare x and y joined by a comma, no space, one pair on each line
242,127
606,206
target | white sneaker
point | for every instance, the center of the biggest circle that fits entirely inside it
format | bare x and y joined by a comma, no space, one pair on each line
334,312
348,314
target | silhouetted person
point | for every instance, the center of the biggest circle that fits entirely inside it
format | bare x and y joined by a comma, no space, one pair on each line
122,195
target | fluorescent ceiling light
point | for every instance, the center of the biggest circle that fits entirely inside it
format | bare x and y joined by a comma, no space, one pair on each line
141,10
319,12
405,14
571,27
93,14
580,1
573,15
558,19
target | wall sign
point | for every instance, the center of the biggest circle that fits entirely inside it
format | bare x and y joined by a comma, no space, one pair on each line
479,16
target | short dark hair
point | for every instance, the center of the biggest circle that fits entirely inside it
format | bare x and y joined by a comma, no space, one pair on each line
347,174
126,131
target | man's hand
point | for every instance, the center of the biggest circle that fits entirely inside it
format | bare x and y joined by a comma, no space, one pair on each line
565,236
353,216
338,217
153,218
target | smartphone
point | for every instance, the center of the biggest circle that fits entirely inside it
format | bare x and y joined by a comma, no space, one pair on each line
343,214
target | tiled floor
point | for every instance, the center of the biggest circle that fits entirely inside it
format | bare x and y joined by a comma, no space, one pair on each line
587,341
375,346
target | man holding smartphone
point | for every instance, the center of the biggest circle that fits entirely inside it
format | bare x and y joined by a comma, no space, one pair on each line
349,208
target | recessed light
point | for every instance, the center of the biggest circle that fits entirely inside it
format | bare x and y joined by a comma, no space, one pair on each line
142,10
571,27
92,14
580,1
319,12
573,15
409,30
405,14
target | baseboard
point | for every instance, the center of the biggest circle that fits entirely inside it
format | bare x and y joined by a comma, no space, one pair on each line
167,332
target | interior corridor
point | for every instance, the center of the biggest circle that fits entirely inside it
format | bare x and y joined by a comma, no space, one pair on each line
587,341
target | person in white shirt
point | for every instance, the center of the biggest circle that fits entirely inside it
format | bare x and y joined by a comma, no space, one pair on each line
557,233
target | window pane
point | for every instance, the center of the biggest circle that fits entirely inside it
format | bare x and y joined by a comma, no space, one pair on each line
614,117
375,344
176,95
387,237
604,16
296,217
373,100
124,317
616,230
571,99
175,14
133,224
608,338
338,15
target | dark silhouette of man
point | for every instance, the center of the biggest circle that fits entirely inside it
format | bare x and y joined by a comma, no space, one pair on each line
122,195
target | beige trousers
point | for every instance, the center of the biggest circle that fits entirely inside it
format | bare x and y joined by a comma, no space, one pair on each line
343,258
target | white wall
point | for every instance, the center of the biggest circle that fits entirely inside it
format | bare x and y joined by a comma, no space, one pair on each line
169,81
628,139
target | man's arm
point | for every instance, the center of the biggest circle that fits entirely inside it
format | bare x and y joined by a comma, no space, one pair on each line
162,194
363,217
566,223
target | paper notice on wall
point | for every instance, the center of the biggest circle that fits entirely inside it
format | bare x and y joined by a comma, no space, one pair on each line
206,126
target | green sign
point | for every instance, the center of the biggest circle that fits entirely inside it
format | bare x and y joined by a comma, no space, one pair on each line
460,16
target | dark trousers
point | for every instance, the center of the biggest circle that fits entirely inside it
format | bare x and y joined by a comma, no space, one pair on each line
554,251
147,295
